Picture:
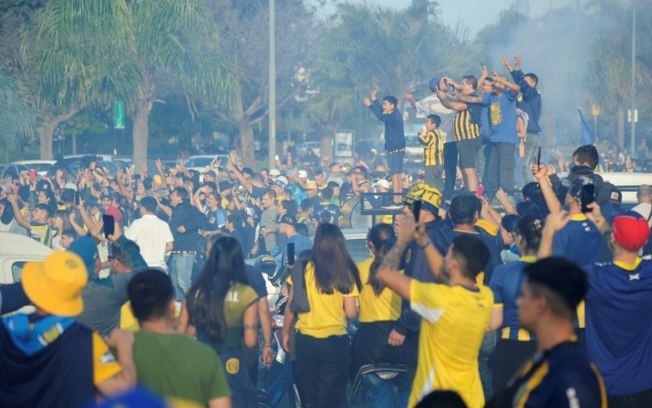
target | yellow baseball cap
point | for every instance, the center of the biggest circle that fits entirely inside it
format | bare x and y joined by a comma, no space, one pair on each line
55,285
311,185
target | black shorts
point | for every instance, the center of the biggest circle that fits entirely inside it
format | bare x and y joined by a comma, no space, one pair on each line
395,162
468,151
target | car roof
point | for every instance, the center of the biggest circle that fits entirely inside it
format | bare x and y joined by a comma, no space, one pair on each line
16,245
27,162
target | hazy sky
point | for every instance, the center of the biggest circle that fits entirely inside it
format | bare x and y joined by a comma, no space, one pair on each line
475,14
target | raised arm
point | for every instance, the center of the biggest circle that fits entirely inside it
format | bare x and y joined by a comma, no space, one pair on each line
465,98
541,175
513,87
483,77
17,214
554,223
450,103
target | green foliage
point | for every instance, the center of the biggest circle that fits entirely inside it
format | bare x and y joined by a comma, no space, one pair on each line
16,118
609,72
363,48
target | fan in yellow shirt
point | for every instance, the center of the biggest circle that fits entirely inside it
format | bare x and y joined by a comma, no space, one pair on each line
455,315
323,293
380,307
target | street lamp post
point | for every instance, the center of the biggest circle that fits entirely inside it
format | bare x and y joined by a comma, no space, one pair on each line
272,83
633,116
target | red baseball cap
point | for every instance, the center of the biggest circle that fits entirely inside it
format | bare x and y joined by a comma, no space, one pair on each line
630,230
116,213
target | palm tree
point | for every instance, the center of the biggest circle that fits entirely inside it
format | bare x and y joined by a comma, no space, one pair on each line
172,46
73,58
82,53
17,119
397,50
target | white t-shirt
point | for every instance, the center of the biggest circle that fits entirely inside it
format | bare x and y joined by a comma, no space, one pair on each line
151,234
644,209
432,105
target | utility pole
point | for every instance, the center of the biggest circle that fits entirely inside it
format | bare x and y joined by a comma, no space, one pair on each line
633,117
272,82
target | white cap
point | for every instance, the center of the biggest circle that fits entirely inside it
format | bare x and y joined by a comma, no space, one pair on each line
274,172
381,183
282,179
302,173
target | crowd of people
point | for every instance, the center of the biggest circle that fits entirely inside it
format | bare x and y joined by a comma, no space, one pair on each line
491,295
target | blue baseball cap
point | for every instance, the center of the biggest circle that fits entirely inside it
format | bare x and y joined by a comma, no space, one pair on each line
434,82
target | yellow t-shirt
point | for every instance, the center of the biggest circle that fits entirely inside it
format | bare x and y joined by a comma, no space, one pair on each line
376,308
454,321
105,365
326,316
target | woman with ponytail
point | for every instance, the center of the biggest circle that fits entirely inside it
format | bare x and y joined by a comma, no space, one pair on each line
380,307
515,345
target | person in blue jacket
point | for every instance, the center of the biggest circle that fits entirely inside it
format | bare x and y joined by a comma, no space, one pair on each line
394,138
529,102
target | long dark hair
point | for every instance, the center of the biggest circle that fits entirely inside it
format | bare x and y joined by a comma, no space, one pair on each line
383,237
205,300
529,228
334,268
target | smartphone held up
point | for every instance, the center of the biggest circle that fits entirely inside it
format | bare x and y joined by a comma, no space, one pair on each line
108,223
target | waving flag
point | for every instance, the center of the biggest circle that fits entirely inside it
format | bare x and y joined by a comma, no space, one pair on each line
586,136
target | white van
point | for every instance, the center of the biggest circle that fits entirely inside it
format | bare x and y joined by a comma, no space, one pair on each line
628,184
15,251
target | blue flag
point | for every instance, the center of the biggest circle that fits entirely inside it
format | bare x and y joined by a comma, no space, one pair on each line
586,136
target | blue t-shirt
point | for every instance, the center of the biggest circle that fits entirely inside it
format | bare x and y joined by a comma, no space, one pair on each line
580,241
619,325
506,285
301,243
323,211
502,117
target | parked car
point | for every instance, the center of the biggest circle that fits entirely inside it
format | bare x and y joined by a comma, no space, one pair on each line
199,163
15,251
42,167
628,184
13,170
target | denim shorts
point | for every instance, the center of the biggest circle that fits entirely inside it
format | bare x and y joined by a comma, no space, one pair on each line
395,162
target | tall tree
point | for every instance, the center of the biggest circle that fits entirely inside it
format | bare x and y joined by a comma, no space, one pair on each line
78,54
609,71
244,38
171,44
365,47
17,118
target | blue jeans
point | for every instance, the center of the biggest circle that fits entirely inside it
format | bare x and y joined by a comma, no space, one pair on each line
531,144
379,393
243,391
486,376
181,273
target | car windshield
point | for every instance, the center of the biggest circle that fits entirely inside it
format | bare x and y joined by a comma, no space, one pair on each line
40,166
199,162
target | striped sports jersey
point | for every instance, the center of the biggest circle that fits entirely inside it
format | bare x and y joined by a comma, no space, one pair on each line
433,152
466,124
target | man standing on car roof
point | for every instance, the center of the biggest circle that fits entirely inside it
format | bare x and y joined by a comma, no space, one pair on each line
394,138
